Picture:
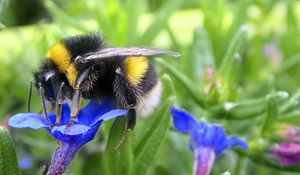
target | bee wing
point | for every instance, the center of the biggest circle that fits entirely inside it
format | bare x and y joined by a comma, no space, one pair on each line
126,51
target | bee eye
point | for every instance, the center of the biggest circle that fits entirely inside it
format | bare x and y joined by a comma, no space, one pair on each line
48,75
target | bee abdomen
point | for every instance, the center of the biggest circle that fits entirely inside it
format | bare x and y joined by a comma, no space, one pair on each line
149,100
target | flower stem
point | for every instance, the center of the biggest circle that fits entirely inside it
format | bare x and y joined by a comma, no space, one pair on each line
61,158
204,159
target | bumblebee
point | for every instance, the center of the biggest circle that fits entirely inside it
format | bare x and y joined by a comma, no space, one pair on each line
84,67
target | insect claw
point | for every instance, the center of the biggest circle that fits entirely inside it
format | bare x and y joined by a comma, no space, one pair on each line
72,118
125,134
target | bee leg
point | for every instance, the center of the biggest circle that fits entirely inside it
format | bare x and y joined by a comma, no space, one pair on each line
58,105
130,123
29,95
41,92
76,97
130,120
125,91
74,107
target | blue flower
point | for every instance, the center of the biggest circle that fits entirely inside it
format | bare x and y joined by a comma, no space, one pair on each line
206,140
73,138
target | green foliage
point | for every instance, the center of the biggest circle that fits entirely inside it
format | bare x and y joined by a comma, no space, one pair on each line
239,67
8,158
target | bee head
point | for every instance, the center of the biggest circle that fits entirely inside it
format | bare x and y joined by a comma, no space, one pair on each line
64,53
43,81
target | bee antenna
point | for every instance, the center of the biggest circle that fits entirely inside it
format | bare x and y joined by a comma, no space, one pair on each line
43,101
29,95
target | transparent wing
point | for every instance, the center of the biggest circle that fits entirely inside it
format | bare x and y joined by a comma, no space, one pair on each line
125,51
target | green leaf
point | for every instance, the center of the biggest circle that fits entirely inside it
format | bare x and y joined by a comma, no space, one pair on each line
160,21
201,56
266,160
8,158
291,103
227,69
247,108
187,83
119,161
133,18
100,13
154,132
3,6
91,164
62,17
272,112
290,118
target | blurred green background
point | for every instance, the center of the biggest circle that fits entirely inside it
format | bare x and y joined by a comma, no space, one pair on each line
242,52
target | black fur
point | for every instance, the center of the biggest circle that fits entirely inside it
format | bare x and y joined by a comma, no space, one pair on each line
82,44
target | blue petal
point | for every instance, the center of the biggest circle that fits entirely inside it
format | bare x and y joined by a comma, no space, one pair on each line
93,110
182,120
211,131
197,135
234,141
65,114
221,143
73,130
111,115
29,120
78,139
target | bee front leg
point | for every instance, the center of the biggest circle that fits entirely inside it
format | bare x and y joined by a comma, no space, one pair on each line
58,105
76,97
75,106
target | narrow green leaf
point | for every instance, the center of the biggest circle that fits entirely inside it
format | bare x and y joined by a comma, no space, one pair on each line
289,63
173,37
272,112
227,68
3,6
118,161
168,90
8,158
195,93
155,132
101,15
201,56
292,102
291,16
241,13
247,108
62,17
160,21
133,17
266,160
290,118
91,164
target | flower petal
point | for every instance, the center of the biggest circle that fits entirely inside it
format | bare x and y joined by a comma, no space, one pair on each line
234,141
221,143
73,130
110,115
29,120
183,121
287,153
93,110
65,115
